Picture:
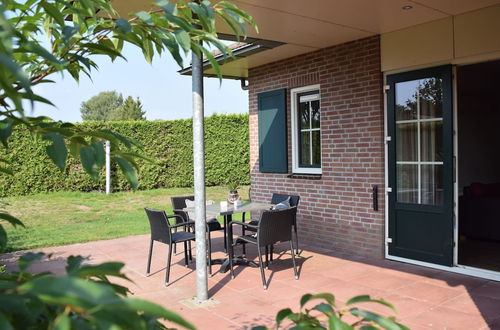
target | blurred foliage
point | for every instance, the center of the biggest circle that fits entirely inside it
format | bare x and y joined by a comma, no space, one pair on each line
327,315
84,298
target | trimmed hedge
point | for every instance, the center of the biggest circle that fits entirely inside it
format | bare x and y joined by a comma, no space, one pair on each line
169,143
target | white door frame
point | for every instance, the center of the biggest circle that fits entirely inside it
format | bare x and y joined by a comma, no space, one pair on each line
456,268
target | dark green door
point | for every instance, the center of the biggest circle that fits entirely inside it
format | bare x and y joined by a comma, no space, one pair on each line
420,126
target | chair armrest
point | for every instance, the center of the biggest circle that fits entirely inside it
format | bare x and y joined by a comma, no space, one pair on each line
187,223
243,224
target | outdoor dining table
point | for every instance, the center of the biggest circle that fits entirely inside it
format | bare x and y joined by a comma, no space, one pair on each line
227,212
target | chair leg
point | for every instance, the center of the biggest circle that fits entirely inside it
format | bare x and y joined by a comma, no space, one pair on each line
293,261
190,251
175,245
225,235
186,254
267,255
230,254
148,268
261,265
296,239
169,260
271,252
209,243
243,234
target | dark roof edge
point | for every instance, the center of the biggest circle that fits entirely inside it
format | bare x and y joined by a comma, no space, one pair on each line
253,46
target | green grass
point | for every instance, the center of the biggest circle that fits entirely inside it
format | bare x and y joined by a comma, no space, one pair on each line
73,217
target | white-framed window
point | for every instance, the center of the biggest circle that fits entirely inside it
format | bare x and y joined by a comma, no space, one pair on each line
306,130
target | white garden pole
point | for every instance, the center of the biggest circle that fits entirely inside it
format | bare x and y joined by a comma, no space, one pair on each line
108,167
199,179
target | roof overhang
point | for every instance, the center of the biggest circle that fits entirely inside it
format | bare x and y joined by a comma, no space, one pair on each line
297,27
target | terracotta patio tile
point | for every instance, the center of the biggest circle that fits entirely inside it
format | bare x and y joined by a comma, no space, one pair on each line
383,281
446,318
487,307
453,280
429,292
405,306
489,289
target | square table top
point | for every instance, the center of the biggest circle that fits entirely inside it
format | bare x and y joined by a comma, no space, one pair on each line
217,210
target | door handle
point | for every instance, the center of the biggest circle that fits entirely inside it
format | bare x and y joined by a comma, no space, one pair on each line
375,197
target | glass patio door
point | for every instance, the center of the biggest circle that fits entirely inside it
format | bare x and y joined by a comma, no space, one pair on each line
421,165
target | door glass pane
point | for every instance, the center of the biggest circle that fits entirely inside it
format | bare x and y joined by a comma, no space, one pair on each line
419,140
406,142
316,148
305,154
432,184
406,102
407,183
430,98
315,114
431,141
304,115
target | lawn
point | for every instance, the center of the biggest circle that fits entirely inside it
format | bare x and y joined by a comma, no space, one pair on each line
71,217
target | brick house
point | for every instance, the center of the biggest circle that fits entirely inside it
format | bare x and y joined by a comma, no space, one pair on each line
382,116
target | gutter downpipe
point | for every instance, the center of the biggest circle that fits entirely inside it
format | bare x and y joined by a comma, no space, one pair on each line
199,179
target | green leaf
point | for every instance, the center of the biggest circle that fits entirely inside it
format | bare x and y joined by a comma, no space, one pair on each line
334,323
73,263
104,50
11,219
100,155
5,131
36,48
323,308
326,296
72,291
87,157
144,16
103,269
4,323
380,320
57,151
152,309
183,39
62,322
28,258
53,12
282,314
128,171
213,62
3,238
366,298
123,25
16,71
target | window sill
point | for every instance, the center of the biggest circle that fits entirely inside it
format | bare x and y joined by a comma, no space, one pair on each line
305,176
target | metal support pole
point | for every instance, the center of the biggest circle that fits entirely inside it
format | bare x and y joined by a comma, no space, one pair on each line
107,146
199,179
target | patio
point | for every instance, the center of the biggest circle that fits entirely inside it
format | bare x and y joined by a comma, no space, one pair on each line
425,298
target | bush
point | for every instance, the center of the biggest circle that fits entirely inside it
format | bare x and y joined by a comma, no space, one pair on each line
168,143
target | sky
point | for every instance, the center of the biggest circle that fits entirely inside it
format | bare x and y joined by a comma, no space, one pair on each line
164,93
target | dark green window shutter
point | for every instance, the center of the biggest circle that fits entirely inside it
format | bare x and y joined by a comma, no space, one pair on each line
273,150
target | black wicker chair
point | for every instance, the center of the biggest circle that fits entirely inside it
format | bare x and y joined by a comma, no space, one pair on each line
274,226
179,203
276,199
161,231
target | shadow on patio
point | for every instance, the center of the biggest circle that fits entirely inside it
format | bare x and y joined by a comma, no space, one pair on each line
425,298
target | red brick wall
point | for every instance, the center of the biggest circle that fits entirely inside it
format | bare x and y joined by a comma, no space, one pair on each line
336,211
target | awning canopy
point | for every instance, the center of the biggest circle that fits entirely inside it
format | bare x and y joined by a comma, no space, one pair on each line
301,27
